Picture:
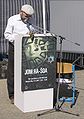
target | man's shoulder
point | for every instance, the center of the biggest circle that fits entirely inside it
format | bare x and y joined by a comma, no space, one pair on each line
15,17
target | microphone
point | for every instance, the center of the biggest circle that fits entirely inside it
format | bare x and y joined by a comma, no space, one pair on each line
62,37
35,28
77,44
32,30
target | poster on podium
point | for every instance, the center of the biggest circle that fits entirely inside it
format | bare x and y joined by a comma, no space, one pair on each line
38,62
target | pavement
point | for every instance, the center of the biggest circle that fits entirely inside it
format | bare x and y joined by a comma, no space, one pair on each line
10,111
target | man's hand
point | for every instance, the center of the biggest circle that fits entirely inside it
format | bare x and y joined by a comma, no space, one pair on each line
31,36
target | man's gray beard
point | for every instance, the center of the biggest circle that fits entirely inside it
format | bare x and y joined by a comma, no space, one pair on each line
25,21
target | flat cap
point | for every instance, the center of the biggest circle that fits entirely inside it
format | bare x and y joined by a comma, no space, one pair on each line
28,9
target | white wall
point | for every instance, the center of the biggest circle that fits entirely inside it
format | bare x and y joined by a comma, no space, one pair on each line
67,20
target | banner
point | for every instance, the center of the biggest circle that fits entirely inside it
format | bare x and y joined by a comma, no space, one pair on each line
38,62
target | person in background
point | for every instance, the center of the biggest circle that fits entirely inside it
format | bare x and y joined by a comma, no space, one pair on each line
17,24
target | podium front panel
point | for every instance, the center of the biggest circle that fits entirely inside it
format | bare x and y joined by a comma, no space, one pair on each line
38,62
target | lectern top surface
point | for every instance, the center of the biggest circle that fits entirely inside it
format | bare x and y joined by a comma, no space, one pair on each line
47,34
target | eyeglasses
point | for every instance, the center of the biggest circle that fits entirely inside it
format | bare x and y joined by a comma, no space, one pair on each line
26,15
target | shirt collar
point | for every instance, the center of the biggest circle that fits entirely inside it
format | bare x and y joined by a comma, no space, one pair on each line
19,18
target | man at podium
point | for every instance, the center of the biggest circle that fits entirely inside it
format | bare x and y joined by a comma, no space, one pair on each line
17,24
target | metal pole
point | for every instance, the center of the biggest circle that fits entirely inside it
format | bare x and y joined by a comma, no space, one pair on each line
44,19
57,107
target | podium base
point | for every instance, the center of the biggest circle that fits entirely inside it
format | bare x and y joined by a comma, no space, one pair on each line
36,100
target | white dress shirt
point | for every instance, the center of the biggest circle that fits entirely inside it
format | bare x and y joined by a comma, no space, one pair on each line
16,26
